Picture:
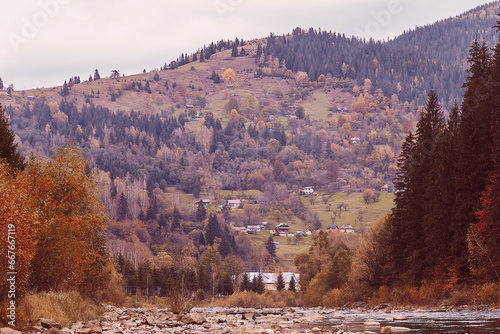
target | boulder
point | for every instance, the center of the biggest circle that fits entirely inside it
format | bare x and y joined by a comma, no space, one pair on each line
49,323
193,318
8,330
400,330
372,324
385,330
248,316
53,330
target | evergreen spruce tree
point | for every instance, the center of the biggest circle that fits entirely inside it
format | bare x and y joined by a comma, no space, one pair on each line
270,246
65,89
474,142
291,284
201,212
176,219
212,229
122,210
259,285
245,283
280,282
97,76
8,150
201,239
483,237
234,51
226,285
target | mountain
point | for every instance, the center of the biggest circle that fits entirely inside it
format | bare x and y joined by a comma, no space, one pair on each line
257,120
449,41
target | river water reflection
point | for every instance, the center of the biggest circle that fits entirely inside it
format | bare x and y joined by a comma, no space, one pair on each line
419,322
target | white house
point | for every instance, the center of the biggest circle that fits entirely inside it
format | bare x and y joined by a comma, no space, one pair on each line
253,229
308,190
234,203
347,229
270,279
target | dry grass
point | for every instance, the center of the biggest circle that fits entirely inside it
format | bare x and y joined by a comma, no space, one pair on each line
63,307
250,299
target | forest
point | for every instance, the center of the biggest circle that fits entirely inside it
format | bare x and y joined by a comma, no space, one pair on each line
113,196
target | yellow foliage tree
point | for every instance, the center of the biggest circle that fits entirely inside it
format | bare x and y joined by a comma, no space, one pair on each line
229,76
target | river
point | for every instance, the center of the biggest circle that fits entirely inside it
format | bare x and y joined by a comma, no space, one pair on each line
463,322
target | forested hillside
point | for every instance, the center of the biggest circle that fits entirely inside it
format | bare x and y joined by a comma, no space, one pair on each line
258,121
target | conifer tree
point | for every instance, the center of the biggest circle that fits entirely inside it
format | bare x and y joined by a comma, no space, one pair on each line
270,246
176,219
122,210
280,282
474,144
97,76
201,212
212,229
484,236
291,284
8,149
245,283
234,51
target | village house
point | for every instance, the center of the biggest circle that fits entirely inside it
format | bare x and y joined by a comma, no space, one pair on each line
307,191
205,202
270,279
234,203
281,229
253,229
332,228
347,229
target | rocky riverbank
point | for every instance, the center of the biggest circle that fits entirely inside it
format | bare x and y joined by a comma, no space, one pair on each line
230,320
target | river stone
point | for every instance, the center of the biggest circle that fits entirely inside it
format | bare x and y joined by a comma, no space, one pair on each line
400,330
8,330
385,330
248,316
49,323
53,330
372,324
400,317
257,331
193,318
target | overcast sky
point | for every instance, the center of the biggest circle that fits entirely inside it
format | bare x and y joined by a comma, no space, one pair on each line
44,42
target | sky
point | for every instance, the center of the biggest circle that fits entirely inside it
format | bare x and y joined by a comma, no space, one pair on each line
44,42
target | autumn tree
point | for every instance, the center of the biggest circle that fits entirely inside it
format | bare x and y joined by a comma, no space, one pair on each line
70,237
18,229
229,76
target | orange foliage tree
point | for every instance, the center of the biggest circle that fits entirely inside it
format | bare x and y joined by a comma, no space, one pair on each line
58,221
71,251
17,232
484,237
